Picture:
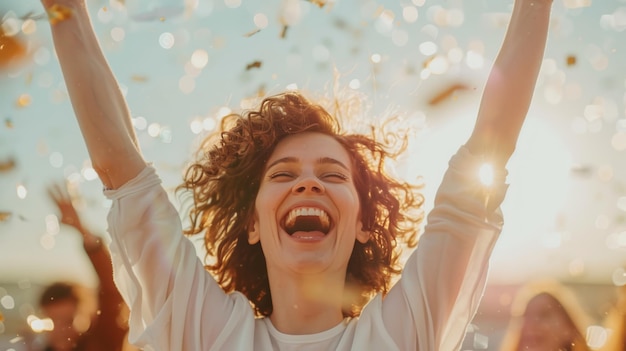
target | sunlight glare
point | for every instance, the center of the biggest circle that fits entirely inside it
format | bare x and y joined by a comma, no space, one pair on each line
486,174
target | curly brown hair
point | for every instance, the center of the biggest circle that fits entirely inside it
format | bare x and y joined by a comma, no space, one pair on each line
225,177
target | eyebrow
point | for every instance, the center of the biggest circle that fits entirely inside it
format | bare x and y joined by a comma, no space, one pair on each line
332,161
324,160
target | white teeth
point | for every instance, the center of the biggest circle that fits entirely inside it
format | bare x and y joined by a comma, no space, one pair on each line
307,211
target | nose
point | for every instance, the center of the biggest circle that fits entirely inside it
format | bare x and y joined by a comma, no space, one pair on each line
308,184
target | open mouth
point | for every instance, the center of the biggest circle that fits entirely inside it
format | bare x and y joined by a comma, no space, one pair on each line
307,219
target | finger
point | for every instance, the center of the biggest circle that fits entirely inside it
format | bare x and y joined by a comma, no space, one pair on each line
53,193
63,192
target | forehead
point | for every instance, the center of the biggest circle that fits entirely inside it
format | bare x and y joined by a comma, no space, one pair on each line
60,308
544,302
310,146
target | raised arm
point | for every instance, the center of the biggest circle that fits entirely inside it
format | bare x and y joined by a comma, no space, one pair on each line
108,330
509,89
98,103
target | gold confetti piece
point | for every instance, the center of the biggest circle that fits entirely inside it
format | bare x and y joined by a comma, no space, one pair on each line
571,60
58,13
23,100
283,33
1,317
428,61
11,49
319,3
4,216
251,33
255,64
8,123
139,78
7,165
446,93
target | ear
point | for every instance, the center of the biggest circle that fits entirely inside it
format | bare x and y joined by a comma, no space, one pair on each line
362,235
253,232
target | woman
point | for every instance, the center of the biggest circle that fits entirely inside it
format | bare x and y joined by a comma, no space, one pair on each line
546,316
300,216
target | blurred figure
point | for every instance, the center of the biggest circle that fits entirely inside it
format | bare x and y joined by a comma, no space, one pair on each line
615,322
60,302
546,316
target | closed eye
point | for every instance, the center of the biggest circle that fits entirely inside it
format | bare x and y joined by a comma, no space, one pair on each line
334,176
281,175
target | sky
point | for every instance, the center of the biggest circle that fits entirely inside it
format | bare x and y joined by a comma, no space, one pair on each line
184,64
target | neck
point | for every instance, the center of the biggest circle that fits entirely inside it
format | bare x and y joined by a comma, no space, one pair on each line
306,304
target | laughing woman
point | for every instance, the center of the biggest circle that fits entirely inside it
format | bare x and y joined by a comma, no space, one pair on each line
302,221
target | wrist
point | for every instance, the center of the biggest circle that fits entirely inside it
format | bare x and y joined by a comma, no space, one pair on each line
92,243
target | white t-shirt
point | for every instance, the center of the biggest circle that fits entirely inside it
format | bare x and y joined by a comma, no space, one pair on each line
177,305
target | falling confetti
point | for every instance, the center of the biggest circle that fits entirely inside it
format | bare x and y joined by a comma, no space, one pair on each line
571,60
11,49
58,13
4,216
23,100
7,165
251,33
255,64
8,123
320,3
139,78
447,93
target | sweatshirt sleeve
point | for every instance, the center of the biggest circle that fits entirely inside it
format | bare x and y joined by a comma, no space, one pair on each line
175,304
444,278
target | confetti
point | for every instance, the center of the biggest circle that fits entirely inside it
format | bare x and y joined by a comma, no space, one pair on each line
255,64
581,170
58,13
139,78
319,3
11,49
571,60
8,123
7,165
251,33
23,100
283,32
4,216
447,93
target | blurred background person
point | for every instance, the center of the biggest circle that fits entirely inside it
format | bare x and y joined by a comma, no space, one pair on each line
546,316
72,328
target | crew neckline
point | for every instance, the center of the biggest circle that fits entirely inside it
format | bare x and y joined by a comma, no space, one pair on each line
306,338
